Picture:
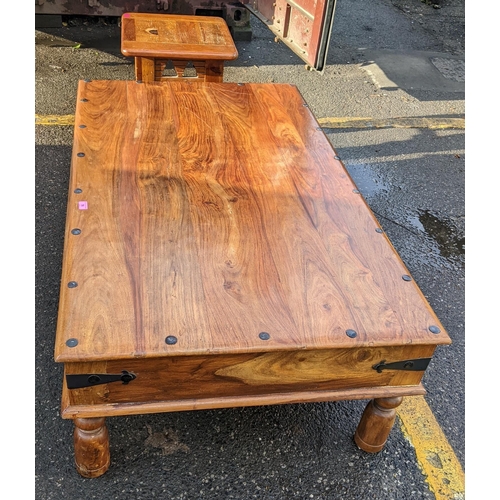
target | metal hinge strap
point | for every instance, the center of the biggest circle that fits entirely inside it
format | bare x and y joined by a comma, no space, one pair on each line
90,379
419,364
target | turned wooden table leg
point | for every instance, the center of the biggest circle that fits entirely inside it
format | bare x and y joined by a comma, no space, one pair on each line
91,440
376,423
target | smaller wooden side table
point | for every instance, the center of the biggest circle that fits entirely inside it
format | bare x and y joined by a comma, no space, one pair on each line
175,46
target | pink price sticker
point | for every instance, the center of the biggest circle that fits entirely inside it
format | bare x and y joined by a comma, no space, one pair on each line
83,205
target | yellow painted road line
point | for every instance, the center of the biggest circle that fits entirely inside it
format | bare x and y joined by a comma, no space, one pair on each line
332,122
431,122
54,120
435,457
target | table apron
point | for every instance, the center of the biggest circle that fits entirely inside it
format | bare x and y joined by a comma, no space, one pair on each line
224,380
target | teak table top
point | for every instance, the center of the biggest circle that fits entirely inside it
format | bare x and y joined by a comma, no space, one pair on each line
214,212
176,37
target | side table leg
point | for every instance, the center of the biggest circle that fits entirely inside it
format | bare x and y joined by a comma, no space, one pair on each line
91,441
376,424
214,71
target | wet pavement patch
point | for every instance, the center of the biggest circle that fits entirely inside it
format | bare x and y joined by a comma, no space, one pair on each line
367,180
443,232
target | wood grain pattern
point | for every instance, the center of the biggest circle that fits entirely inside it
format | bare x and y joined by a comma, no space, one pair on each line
376,424
176,37
91,442
245,375
188,404
148,69
217,212
145,69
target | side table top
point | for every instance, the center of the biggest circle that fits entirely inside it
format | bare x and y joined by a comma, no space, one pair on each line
176,37
219,214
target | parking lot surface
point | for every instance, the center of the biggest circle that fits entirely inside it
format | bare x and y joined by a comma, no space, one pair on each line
392,103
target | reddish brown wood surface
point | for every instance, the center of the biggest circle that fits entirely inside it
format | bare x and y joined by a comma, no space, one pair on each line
246,375
376,424
145,69
150,70
176,37
82,410
216,212
91,442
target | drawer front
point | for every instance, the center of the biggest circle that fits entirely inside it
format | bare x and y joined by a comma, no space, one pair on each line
218,376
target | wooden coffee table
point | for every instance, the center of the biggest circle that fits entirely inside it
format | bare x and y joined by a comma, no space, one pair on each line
166,46
218,254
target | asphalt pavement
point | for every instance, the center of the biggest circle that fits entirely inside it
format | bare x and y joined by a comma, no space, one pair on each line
392,103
